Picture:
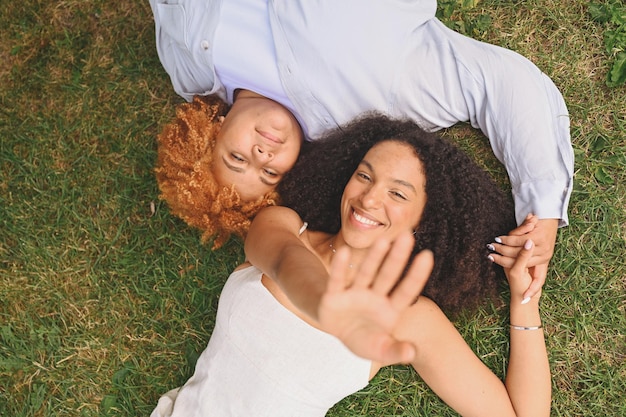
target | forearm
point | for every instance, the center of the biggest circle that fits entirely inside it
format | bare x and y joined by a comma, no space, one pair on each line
528,380
274,245
302,277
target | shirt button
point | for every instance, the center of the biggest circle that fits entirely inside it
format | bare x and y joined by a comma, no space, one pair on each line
204,45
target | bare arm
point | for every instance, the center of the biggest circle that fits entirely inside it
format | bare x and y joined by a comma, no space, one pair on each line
528,374
361,305
274,246
456,374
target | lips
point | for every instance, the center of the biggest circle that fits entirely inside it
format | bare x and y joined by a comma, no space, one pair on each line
271,138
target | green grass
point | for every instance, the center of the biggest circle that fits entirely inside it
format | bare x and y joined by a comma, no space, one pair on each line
105,304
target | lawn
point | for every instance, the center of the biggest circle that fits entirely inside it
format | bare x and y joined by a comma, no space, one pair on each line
106,299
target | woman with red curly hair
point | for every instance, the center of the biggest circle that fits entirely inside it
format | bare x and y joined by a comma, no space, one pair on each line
199,151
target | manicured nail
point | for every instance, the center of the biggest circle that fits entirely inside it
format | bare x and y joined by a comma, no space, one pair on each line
528,244
498,240
490,258
525,300
491,247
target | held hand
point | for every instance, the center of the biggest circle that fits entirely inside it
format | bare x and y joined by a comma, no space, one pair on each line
518,275
363,312
543,233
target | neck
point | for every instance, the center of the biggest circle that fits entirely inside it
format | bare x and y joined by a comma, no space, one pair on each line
357,256
242,93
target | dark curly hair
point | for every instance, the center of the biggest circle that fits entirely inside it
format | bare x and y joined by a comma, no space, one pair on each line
185,179
465,209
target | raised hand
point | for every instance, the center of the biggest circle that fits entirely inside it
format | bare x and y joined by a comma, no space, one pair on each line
362,305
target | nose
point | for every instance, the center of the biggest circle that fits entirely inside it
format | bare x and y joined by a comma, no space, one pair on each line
371,197
261,154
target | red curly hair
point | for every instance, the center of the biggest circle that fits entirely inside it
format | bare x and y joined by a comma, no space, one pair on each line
185,179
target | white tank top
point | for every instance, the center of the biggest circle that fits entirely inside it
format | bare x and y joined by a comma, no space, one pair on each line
264,361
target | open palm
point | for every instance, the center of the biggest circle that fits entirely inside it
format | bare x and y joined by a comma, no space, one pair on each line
363,312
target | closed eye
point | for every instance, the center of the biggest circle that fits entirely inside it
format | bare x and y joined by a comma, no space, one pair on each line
363,176
270,173
399,195
236,158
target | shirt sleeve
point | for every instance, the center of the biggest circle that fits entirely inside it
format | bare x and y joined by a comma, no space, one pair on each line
526,120
511,101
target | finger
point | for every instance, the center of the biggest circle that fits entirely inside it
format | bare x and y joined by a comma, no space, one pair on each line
509,261
394,264
398,352
527,226
521,263
384,348
539,274
514,241
415,280
505,250
339,271
369,268
510,246
503,261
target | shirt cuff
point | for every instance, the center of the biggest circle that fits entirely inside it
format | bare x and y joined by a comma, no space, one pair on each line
546,199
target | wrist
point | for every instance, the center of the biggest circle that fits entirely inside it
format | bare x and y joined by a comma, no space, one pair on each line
517,327
520,300
525,315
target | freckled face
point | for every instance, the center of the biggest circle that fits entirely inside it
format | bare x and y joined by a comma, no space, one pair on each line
258,143
385,195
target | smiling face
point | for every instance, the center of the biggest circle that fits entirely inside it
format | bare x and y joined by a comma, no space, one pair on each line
385,195
258,143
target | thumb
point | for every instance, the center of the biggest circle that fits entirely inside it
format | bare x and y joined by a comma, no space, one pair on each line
523,256
398,352
538,274
527,226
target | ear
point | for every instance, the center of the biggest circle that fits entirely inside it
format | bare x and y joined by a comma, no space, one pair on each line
218,126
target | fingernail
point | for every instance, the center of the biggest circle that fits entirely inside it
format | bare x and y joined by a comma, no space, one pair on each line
490,258
528,244
498,240
491,247
525,300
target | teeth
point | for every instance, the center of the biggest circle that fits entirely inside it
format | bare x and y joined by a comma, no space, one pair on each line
364,220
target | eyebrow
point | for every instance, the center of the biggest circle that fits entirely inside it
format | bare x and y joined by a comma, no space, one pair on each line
397,181
241,171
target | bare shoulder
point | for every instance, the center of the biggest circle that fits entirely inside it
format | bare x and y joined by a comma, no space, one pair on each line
277,215
272,229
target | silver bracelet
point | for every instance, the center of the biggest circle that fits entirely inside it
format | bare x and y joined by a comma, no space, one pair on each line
514,327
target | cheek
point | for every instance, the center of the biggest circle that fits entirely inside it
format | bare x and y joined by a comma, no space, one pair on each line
231,136
417,215
349,193
410,216
287,161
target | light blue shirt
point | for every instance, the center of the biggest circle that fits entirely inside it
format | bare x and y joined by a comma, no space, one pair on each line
340,58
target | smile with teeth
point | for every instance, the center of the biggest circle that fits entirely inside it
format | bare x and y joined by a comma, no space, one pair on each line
363,220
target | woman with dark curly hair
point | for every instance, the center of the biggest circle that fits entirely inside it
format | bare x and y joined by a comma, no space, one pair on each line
317,311
464,209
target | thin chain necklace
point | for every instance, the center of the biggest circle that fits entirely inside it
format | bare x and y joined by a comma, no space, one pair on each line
334,251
